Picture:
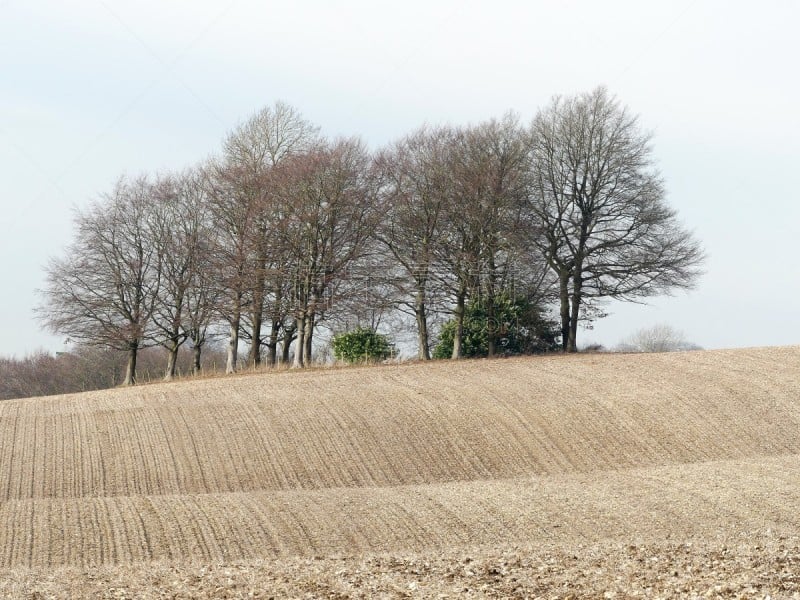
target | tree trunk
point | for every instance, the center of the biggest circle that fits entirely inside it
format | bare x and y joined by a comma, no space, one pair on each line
272,345
196,366
422,326
175,338
577,292
300,326
277,322
491,316
491,325
565,314
172,360
458,336
254,356
233,342
286,348
308,338
130,369
286,351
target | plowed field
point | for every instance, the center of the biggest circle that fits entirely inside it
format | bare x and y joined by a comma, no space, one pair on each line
643,475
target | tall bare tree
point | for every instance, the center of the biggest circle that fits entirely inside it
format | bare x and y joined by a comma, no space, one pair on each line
458,250
492,174
234,215
415,190
105,291
202,300
329,215
184,305
600,215
250,152
482,248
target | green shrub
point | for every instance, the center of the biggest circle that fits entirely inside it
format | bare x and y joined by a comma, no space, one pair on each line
362,345
518,324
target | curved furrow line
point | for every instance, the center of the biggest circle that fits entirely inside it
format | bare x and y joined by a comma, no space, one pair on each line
535,451
300,532
143,452
284,437
277,521
224,525
10,425
8,532
150,536
276,441
162,529
322,460
162,474
363,465
382,468
390,426
178,467
716,498
124,549
265,460
89,455
262,518
213,539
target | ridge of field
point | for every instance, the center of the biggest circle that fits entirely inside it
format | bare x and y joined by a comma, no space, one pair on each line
714,500
403,425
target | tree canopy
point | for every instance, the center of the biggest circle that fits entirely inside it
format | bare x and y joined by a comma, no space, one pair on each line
473,235
600,216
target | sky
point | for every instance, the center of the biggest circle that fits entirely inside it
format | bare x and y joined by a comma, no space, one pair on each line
93,90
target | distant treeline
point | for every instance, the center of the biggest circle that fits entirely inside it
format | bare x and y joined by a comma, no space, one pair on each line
86,368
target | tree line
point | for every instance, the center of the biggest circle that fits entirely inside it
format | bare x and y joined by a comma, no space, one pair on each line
85,367
286,232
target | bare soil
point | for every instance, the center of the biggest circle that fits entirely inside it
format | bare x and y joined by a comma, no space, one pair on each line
673,475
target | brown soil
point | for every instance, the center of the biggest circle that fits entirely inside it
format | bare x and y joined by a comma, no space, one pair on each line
637,475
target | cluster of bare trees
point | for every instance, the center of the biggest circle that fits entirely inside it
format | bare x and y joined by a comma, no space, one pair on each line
286,232
87,367
658,338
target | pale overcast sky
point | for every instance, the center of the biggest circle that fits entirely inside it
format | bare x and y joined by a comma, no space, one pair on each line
92,90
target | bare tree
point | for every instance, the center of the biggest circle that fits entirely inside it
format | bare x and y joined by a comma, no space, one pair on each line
286,233
233,216
104,292
658,338
483,250
366,294
203,294
329,215
37,374
600,215
202,300
185,299
458,253
493,184
81,369
414,194
251,151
